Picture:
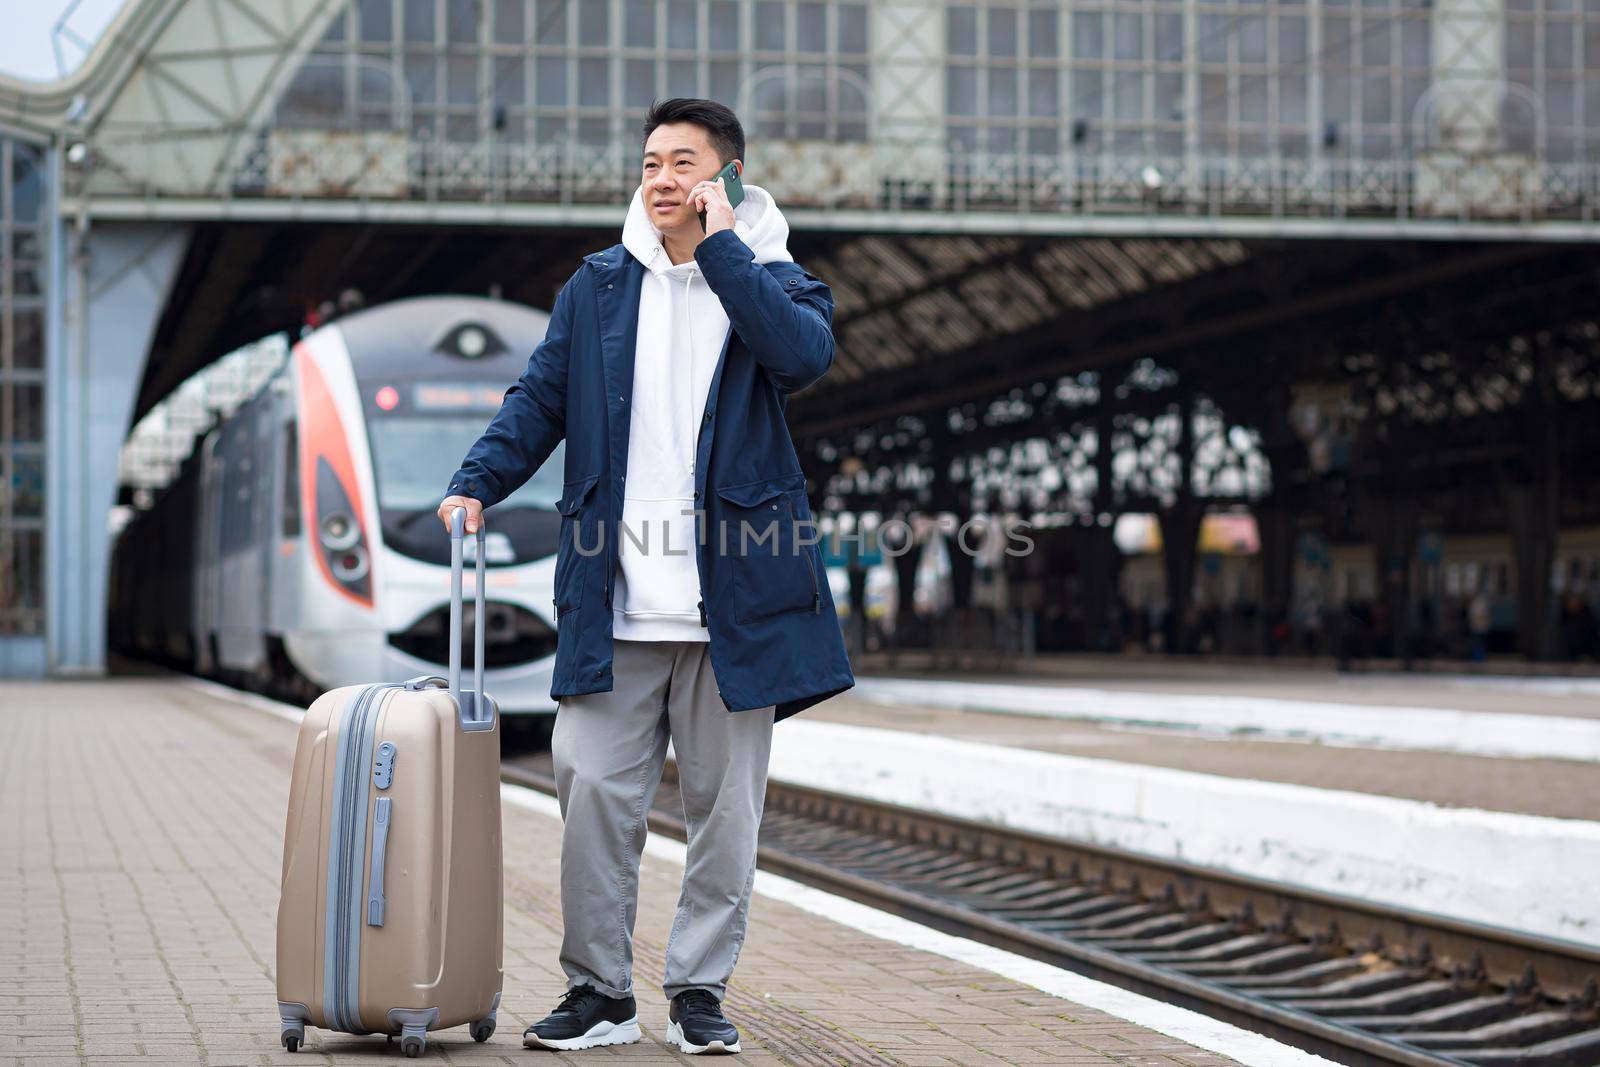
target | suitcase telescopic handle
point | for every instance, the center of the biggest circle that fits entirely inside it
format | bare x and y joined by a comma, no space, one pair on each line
481,709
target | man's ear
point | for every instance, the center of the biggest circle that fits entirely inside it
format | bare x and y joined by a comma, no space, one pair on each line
739,163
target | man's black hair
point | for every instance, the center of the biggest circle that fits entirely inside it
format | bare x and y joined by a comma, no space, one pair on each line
719,122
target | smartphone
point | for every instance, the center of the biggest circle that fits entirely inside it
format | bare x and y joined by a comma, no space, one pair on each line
730,185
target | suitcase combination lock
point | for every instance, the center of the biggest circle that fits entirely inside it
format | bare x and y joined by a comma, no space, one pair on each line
383,767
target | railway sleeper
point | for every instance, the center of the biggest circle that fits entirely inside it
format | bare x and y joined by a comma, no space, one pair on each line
882,866
895,867
898,870
1276,956
1541,1027
1030,895
1152,927
1376,978
1232,949
980,901
862,859
919,867
942,872
1575,1050
976,881
1040,905
839,846
983,885
934,881
1193,937
1415,997
901,852
1312,974
1014,882
1132,915
1066,917
980,896
1477,1011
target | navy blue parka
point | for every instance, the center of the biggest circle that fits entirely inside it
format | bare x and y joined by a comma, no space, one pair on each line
774,635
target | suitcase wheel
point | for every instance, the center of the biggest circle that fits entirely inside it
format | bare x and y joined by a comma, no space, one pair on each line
292,1029
413,1044
483,1030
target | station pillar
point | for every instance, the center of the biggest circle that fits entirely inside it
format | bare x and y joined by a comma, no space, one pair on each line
1180,535
116,279
1276,526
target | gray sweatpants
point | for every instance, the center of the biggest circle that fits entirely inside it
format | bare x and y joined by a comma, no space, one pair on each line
609,750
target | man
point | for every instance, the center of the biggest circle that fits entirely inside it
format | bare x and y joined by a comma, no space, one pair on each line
667,364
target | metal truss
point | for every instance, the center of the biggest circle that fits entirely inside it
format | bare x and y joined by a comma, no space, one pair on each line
179,119
375,175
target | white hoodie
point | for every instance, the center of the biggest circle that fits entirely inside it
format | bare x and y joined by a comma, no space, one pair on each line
682,328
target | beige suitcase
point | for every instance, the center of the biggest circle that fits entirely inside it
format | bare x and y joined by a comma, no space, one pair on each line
390,916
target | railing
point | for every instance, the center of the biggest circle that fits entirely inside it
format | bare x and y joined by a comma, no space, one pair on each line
387,166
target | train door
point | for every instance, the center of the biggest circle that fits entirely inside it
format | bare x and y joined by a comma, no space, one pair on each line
281,592
205,556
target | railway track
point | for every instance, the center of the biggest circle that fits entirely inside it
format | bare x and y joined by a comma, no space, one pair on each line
1352,981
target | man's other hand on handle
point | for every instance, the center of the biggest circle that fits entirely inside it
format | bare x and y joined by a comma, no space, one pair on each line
474,512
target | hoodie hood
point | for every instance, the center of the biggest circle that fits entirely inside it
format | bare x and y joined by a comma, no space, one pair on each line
756,221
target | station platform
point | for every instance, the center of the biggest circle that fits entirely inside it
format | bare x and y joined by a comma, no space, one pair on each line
141,823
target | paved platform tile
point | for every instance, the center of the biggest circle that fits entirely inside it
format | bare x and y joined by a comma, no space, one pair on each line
141,826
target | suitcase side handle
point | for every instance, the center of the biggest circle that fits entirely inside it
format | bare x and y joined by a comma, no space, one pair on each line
477,710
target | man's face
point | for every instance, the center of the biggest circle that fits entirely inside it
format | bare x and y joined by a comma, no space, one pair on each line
677,156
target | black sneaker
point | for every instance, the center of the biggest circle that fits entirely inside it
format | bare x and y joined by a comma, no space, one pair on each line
695,1024
585,1018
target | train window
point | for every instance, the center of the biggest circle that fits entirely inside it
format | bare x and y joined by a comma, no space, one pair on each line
414,456
291,480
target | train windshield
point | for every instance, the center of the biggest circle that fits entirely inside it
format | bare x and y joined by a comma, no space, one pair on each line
414,457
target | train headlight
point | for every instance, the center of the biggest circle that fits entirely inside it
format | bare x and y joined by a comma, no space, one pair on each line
350,565
339,531
471,342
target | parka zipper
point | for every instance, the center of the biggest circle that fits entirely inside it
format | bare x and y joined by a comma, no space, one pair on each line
701,469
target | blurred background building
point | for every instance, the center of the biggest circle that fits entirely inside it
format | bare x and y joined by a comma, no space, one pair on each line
1275,320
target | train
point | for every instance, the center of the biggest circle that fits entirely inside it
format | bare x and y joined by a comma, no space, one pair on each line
299,549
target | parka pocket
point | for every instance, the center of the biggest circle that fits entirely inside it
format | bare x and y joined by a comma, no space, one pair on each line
570,566
762,532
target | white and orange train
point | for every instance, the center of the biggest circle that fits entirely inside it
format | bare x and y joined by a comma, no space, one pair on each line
298,549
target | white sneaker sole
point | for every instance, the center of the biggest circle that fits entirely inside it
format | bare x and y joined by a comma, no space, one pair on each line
601,1033
675,1037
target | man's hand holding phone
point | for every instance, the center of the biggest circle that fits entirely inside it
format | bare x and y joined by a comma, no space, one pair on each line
712,199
